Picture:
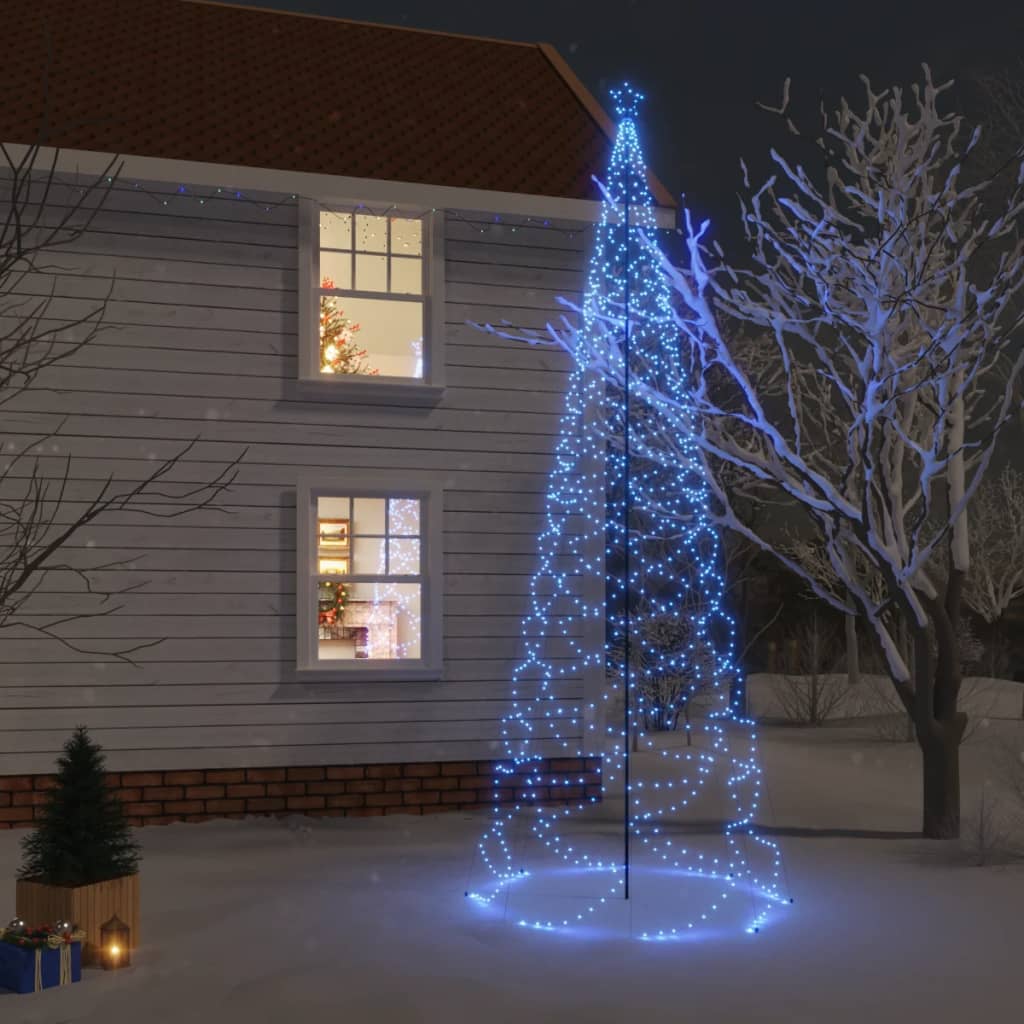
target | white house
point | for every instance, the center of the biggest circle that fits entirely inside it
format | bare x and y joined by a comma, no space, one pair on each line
342,639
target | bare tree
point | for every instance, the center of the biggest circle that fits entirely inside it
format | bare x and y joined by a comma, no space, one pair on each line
41,215
996,577
901,363
809,691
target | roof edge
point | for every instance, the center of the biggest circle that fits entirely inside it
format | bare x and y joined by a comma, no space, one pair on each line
589,103
322,187
356,21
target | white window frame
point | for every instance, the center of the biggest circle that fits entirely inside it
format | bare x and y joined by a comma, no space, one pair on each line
370,483
424,391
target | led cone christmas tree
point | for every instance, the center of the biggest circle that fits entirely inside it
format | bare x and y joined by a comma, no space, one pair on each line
670,843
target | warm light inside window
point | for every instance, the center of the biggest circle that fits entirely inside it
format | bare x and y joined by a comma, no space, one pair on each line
369,578
371,288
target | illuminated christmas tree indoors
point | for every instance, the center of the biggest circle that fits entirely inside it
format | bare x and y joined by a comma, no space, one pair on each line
670,844
339,352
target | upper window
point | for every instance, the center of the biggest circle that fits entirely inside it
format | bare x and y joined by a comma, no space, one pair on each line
372,301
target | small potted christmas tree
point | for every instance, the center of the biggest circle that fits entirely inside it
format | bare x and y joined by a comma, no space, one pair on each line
81,862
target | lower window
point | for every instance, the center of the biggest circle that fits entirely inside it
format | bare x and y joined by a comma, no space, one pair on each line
368,601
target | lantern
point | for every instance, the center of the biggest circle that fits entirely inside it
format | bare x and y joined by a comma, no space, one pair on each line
115,950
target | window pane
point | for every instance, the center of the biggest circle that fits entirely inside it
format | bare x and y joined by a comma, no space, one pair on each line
335,230
340,348
391,332
406,276
404,517
335,269
368,516
372,621
369,556
371,273
371,233
406,236
403,557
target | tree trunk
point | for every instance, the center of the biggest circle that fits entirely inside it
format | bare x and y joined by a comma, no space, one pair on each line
852,652
941,777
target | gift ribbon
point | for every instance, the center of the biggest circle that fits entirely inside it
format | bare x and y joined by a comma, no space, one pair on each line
38,981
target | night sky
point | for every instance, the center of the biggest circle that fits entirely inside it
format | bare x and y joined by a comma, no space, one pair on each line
704,65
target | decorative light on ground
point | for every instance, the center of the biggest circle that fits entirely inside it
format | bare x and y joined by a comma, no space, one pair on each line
616,511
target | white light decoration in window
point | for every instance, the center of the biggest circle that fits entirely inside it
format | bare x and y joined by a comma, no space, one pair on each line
643,854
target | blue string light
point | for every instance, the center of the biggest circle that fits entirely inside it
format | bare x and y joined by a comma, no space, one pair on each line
668,639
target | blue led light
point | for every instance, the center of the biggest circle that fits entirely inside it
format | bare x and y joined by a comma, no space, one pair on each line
615,510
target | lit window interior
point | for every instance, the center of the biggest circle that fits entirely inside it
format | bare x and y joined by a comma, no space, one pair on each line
369,583
371,295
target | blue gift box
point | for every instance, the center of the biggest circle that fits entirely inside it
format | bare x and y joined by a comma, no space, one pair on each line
18,966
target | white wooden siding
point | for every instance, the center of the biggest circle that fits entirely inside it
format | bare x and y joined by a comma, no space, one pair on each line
203,345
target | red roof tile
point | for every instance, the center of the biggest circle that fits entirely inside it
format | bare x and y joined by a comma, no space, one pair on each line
232,85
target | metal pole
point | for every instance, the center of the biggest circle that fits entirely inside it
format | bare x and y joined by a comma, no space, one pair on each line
627,508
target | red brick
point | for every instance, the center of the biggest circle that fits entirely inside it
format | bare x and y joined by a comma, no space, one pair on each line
567,764
305,774
197,817
142,779
366,812
29,799
45,781
111,780
128,795
402,785
350,771
225,775
593,764
402,810
384,771
349,800
456,796
302,803
5,799
143,810
15,814
365,786
594,790
10,783
567,792
418,799
5,824
264,775
163,793
225,807
384,800
420,771
247,789
286,788
459,768
326,787
204,792
184,807
265,804
476,782
441,783
589,778
532,793
193,778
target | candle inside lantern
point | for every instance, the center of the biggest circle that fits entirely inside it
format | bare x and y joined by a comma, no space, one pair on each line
114,944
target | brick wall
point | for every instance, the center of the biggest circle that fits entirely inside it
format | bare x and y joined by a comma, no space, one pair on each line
160,797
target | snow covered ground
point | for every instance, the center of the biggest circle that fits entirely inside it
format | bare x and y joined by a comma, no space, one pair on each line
364,921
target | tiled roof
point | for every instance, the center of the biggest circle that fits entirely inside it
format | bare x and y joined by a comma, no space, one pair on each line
233,85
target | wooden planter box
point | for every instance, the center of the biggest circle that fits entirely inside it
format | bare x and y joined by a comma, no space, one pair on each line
88,906
18,967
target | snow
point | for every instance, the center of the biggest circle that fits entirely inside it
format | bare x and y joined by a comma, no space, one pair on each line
364,920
